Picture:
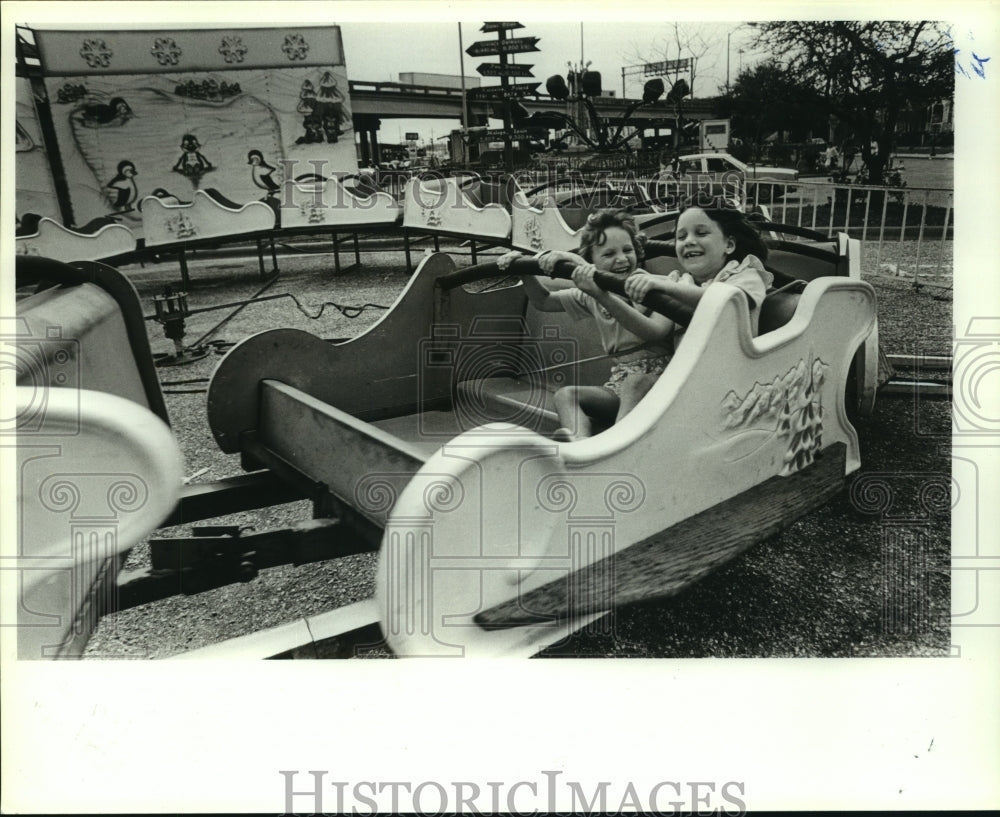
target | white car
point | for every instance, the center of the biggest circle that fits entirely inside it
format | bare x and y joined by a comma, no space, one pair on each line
714,166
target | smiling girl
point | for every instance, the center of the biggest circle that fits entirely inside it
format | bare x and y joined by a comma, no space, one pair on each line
713,246
636,338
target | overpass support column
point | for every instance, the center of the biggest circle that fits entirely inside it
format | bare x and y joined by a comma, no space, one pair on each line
366,128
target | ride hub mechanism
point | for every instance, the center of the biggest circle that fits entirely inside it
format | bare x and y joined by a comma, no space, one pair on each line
171,310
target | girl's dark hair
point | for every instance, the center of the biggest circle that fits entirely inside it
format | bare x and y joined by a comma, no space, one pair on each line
734,225
599,222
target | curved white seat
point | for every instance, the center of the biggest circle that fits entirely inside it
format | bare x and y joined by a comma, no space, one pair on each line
204,217
500,511
96,474
540,228
52,240
327,202
440,205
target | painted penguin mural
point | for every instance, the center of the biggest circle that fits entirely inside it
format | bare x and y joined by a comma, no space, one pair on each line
114,113
124,188
191,163
261,173
194,112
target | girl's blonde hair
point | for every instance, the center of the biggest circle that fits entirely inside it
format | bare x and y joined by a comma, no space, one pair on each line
598,223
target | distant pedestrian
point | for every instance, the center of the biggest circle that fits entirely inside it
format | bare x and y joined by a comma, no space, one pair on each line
850,149
832,157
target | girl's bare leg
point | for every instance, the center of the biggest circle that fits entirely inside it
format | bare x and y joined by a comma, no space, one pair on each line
579,406
632,390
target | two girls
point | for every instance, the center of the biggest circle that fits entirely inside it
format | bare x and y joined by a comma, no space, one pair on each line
712,246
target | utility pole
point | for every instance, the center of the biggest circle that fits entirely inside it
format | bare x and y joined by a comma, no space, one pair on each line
461,73
508,144
728,52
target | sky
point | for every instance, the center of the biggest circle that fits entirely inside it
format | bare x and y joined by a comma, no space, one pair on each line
379,52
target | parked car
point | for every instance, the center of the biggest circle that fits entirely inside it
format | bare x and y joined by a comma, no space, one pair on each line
714,167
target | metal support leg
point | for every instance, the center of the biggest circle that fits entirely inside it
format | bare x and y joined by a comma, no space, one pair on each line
185,278
260,259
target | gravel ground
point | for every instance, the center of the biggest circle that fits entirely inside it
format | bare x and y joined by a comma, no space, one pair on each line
867,574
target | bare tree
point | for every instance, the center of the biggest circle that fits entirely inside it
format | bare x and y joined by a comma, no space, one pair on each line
695,43
698,42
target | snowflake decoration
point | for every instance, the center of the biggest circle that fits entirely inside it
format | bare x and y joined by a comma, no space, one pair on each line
181,226
533,230
232,49
314,213
431,217
166,51
295,47
96,53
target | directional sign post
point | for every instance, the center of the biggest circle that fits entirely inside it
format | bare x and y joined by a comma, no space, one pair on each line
492,69
496,134
514,45
501,47
488,27
500,92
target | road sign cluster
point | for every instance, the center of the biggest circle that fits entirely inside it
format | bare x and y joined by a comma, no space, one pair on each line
493,69
500,92
501,47
497,134
512,45
505,91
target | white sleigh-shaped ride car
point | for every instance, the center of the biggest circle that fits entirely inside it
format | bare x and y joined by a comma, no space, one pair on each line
100,238
431,430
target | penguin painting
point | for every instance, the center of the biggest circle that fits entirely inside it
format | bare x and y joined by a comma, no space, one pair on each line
191,163
261,173
116,112
124,186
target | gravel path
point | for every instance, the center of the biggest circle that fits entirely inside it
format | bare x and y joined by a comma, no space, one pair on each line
836,583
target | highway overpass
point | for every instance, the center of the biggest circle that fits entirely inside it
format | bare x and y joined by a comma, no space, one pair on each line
371,102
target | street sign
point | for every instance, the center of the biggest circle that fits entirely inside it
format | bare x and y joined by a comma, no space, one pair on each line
514,45
492,69
487,27
496,134
412,137
666,66
499,92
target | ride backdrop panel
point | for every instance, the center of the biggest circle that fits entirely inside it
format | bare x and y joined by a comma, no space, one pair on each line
139,113
36,192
